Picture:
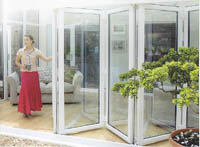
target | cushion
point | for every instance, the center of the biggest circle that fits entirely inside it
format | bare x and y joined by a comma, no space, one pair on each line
49,88
42,88
69,73
45,75
67,87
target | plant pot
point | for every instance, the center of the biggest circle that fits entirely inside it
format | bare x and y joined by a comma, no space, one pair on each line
174,133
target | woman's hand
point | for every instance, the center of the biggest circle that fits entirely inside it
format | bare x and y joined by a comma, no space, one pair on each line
23,67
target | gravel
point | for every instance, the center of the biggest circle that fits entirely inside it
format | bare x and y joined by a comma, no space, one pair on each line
8,141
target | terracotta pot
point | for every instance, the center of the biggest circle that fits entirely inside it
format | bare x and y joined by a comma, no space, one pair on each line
174,133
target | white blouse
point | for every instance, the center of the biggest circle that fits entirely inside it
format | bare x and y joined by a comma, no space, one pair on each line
29,58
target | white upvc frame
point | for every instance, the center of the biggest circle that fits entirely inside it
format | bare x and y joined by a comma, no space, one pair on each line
9,50
180,111
132,63
140,101
54,71
61,114
5,40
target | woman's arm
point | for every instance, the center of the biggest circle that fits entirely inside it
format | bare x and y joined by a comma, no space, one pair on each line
43,57
47,59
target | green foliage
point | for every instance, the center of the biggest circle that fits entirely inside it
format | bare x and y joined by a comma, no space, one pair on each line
128,75
187,95
194,75
190,93
128,88
180,68
190,54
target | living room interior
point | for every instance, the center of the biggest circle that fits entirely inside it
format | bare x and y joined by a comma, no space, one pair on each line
96,47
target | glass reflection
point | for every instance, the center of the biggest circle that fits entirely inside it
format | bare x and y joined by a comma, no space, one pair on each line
118,63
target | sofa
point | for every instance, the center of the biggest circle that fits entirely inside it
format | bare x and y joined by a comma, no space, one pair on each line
72,92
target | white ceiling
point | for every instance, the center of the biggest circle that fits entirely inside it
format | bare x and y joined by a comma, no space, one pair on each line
92,4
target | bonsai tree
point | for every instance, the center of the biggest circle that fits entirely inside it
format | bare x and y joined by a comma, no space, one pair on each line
178,68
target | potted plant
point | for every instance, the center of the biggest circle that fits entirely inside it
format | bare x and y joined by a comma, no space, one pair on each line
179,68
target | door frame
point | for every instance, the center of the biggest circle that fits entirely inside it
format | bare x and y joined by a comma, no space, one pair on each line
54,71
60,77
132,63
5,60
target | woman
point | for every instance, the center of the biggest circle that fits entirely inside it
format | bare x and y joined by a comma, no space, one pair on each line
30,94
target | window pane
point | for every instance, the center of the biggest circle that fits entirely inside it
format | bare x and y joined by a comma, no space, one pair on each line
118,63
194,28
81,64
160,36
193,117
160,33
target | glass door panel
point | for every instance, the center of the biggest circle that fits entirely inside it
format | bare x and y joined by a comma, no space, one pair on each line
120,110
118,50
81,53
79,63
193,41
193,21
160,36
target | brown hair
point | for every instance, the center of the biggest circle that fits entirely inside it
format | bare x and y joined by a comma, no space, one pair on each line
30,37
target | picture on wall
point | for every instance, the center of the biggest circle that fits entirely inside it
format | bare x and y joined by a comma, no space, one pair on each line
119,45
119,29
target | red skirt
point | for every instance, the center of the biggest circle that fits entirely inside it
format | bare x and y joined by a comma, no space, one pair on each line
30,93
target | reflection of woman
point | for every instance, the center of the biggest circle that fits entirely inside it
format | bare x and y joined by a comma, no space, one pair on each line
30,94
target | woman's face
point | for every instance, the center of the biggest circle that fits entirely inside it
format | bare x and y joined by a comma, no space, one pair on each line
27,41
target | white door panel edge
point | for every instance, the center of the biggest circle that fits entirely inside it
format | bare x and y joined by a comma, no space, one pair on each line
131,21
61,118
